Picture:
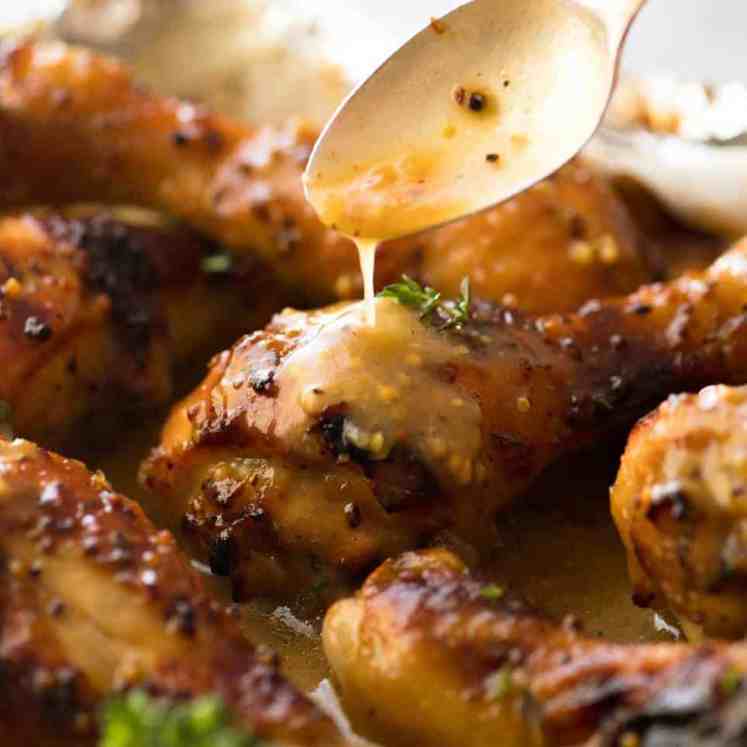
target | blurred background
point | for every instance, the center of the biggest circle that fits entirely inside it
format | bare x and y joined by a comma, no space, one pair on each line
268,60
695,39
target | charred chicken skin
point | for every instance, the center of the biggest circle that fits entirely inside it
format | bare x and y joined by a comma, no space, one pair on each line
96,313
94,600
680,504
426,655
242,186
321,445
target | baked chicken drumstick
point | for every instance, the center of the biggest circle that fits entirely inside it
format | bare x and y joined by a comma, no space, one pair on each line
680,504
96,314
427,656
321,445
94,600
242,186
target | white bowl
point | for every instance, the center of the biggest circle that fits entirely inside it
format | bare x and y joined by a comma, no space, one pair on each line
686,142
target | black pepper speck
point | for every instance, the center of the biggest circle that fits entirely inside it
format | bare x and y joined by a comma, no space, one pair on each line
477,102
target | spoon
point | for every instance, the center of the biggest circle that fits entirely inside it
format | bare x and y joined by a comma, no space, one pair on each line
478,106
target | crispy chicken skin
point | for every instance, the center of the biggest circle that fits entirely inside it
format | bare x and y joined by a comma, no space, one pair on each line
680,504
321,445
95,313
94,600
425,654
242,186
569,226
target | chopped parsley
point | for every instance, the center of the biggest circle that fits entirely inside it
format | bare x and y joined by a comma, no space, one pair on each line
458,312
137,720
731,681
503,683
427,302
492,592
410,293
217,264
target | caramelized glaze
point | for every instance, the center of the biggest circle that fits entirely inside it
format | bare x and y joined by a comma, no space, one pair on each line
94,599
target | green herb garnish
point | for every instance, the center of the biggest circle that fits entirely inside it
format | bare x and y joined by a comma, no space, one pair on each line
410,293
492,592
320,585
458,311
217,264
731,681
503,683
137,720
427,302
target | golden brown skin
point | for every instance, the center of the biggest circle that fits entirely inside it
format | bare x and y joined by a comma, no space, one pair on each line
427,656
286,498
96,313
570,226
242,186
94,599
680,504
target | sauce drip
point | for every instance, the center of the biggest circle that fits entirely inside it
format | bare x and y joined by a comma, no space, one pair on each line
367,257
378,201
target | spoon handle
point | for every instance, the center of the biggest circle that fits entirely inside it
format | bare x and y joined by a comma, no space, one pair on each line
619,14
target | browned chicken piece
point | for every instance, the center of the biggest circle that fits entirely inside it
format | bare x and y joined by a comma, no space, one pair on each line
672,247
570,226
95,600
427,656
242,186
680,504
321,445
95,314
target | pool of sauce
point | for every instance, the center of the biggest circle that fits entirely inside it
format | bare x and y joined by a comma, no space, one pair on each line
558,548
380,372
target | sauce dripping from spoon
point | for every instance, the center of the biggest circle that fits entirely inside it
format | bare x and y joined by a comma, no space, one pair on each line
380,200
408,185
367,258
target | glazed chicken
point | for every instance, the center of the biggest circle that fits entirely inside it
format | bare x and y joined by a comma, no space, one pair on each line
680,504
95,600
427,656
96,313
242,186
322,445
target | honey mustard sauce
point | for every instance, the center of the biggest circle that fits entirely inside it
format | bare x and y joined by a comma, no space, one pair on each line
367,258
576,564
389,377
402,190
379,201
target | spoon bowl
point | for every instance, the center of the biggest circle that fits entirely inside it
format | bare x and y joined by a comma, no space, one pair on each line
475,108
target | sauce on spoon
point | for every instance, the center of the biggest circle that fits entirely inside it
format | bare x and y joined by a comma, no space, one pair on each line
393,196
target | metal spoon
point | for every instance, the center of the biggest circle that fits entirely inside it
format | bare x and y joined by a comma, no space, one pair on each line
475,108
